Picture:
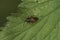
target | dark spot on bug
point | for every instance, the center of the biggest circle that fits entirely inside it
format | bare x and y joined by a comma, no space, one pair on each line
31,19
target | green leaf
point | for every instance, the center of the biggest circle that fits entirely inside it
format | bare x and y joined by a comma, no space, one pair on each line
46,28
8,6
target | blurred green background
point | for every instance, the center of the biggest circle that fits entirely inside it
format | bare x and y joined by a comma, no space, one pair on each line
6,8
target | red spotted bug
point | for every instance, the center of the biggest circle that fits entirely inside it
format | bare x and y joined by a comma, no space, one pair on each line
31,19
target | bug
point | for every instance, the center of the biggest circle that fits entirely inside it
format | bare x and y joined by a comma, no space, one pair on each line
31,19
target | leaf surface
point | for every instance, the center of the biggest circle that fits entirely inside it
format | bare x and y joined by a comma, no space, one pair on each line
46,28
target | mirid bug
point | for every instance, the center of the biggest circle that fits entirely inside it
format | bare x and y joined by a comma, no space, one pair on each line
31,19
